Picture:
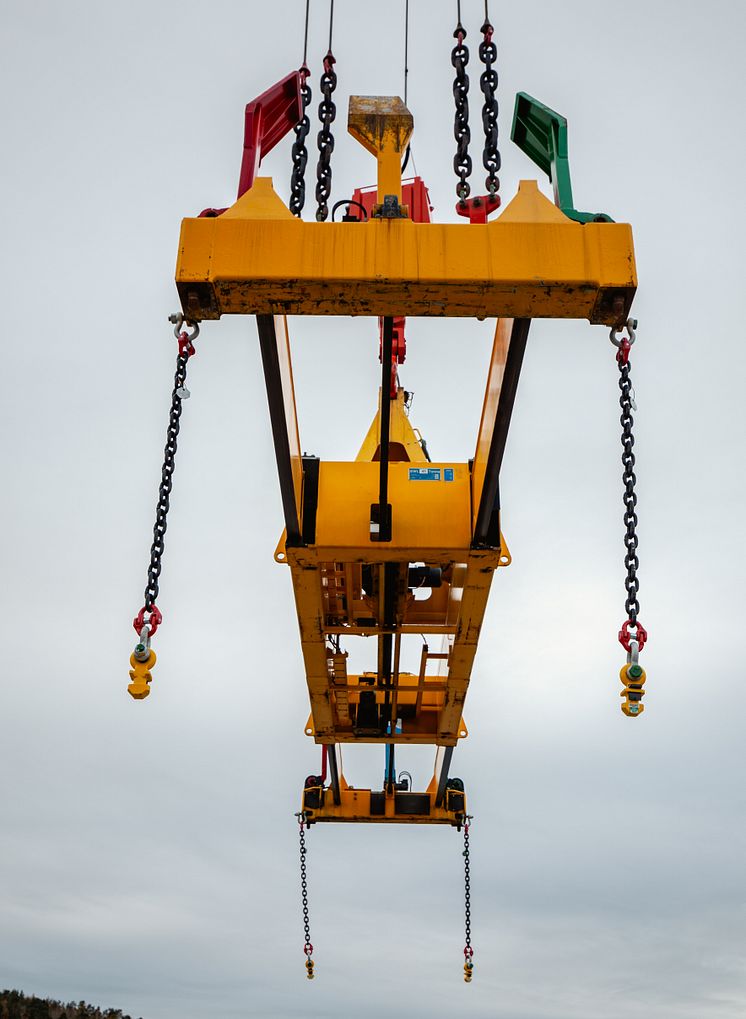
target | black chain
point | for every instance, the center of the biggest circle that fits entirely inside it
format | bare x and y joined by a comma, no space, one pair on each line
461,131
299,150
631,560
468,951
186,350
488,81
325,141
308,947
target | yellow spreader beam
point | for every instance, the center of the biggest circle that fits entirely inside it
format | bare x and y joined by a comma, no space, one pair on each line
531,262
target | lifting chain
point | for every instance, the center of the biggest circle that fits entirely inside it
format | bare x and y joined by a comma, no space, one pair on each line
461,132
307,947
148,619
299,150
632,674
468,950
325,140
488,82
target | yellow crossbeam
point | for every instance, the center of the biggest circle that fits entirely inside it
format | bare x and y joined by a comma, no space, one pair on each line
531,262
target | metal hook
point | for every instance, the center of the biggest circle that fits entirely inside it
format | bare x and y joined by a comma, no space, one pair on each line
630,325
178,321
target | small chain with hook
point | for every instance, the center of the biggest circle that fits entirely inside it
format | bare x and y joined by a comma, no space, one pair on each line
149,617
468,950
632,642
307,947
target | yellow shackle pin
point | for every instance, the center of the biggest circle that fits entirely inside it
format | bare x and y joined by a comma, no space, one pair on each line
140,675
633,679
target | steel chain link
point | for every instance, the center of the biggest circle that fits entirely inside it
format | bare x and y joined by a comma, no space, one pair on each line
629,478
468,950
461,132
633,643
325,140
488,82
299,150
308,947
179,394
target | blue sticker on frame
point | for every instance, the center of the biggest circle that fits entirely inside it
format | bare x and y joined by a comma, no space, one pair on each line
424,474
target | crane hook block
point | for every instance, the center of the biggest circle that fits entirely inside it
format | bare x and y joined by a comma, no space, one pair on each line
633,679
140,675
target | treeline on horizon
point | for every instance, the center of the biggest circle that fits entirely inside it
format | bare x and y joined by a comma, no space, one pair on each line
17,1005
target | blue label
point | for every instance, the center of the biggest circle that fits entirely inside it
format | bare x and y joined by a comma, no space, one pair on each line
424,473
448,473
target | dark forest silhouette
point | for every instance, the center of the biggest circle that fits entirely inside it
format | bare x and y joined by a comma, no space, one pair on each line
17,1005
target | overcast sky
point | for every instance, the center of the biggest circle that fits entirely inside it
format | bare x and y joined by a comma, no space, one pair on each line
148,851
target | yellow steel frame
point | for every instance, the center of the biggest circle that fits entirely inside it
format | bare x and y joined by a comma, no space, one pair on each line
530,262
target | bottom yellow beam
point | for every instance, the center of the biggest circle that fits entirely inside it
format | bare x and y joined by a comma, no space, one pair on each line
383,807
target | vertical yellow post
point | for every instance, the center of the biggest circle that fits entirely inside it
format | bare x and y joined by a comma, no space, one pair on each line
383,125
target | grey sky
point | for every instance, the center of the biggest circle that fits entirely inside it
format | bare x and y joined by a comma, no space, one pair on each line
148,852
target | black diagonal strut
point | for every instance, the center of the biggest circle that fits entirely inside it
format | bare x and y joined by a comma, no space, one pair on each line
487,527
331,755
443,775
380,516
389,579
276,399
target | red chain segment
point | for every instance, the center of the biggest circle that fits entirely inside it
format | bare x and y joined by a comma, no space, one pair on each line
641,635
153,622
185,345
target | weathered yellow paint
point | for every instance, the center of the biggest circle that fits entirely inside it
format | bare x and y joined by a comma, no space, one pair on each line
383,125
531,262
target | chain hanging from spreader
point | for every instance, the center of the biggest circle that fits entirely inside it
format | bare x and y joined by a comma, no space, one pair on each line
468,950
299,150
325,140
307,947
488,82
477,209
461,130
149,618
632,674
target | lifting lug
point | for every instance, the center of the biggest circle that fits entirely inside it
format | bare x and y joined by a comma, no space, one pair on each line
633,678
140,675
